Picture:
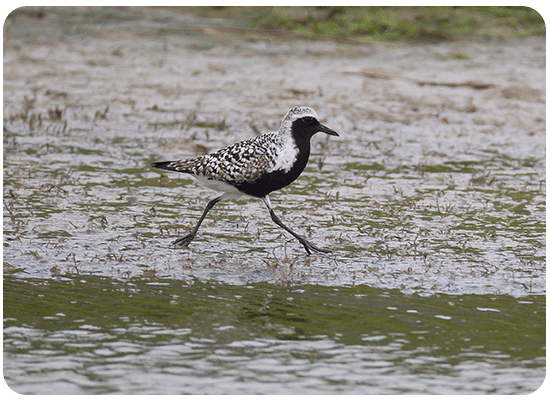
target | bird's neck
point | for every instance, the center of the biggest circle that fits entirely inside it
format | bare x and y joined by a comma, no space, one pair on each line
304,148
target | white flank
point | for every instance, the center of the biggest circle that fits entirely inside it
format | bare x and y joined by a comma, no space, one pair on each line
286,155
230,191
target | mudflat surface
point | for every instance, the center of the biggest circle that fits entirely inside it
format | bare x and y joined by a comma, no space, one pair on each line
436,183
432,201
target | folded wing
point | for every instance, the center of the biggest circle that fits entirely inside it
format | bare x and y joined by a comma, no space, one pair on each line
241,162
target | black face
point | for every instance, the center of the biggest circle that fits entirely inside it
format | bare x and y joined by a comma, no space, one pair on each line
309,126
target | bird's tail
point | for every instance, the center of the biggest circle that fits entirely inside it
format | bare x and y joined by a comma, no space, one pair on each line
164,165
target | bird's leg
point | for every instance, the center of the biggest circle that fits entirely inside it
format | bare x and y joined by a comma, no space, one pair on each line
184,241
307,245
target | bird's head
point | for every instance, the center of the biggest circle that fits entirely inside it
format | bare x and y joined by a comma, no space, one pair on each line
303,121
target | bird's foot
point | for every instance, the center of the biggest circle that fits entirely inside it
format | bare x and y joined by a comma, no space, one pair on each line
309,247
183,241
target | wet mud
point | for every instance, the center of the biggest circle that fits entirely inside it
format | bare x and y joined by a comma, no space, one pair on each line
436,184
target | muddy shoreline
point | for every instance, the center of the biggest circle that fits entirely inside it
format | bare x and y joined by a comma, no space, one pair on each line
437,183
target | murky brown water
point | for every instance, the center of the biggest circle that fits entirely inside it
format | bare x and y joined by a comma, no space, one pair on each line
436,184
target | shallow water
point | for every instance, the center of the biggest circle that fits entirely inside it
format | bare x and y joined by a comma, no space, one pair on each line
435,188
96,335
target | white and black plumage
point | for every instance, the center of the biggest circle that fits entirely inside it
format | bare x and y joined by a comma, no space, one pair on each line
257,166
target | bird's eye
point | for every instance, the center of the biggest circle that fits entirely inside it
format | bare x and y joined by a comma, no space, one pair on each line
308,120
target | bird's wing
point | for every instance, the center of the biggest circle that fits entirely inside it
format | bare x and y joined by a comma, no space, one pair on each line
241,162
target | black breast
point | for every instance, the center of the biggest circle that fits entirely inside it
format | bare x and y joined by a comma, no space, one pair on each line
276,180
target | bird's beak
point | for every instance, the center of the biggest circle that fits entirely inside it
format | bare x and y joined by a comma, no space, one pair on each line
327,130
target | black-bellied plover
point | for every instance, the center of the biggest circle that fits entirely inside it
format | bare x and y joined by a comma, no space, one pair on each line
256,167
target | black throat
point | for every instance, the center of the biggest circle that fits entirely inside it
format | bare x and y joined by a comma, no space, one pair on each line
279,179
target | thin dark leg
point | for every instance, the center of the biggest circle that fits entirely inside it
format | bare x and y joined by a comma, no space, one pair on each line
307,245
184,241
